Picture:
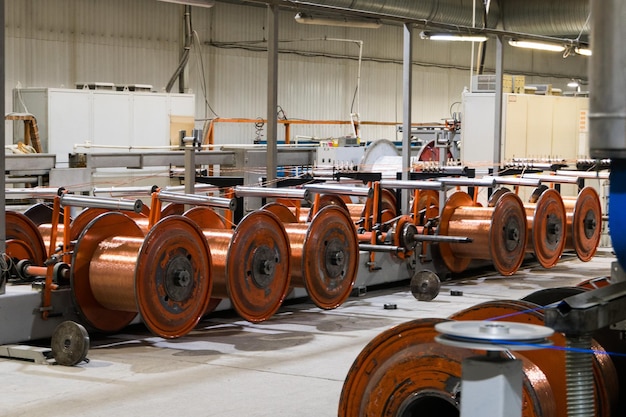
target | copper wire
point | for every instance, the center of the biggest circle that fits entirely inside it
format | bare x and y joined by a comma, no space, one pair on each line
112,273
297,238
475,223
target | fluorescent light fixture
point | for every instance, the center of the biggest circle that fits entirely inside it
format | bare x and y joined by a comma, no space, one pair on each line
455,37
582,51
307,19
200,3
542,46
573,84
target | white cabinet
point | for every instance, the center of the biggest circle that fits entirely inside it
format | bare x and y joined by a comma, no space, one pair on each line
104,118
533,126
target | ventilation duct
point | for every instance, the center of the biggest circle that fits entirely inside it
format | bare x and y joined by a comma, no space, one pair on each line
538,17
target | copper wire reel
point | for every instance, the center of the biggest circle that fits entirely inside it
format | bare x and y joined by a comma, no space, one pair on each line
546,222
165,276
405,372
23,239
551,362
584,223
250,264
324,254
498,233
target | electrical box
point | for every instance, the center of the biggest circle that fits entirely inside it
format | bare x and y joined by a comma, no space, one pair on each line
118,120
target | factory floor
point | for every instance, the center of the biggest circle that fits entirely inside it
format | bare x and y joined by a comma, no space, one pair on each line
292,365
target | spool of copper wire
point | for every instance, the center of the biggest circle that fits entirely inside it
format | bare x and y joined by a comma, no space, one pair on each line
250,264
118,272
584,223
546,222
23,239
405,372
546,228
324,253
498,233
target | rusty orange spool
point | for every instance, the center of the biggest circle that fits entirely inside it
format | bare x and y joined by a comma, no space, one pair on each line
405,372
427,206
546,221
498,233
584,223
251,264
165,276
324,254
551,363
23,239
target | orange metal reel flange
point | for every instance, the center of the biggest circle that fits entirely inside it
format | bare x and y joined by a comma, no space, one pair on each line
171,209
498,234
404,236
584,223
546,230
96,312
173,277
427,206
404,372
550,362
258,266
165,277
325,256
250,265
23,239
282,212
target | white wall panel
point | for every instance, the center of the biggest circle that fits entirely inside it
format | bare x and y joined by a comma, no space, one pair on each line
54,43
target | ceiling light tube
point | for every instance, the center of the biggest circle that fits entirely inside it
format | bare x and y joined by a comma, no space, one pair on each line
582,51
307,19
542,46
447,36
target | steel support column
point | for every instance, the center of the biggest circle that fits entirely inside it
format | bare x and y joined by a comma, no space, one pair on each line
272,93
407,88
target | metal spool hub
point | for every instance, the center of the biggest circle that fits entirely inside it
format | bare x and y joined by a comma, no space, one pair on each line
23,239
584,223
403,372
116,273
546,220
551,363
250,265
404,236
498,234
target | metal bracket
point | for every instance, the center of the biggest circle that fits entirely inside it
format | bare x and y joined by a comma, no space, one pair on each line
589,311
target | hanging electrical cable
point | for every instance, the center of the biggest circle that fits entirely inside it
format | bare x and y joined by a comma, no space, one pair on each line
186,52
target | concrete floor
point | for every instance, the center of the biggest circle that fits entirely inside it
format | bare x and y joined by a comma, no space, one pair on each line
292,365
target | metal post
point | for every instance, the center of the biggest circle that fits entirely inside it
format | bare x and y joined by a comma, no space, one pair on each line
3,228
407,88
272,94
190,164
497,131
